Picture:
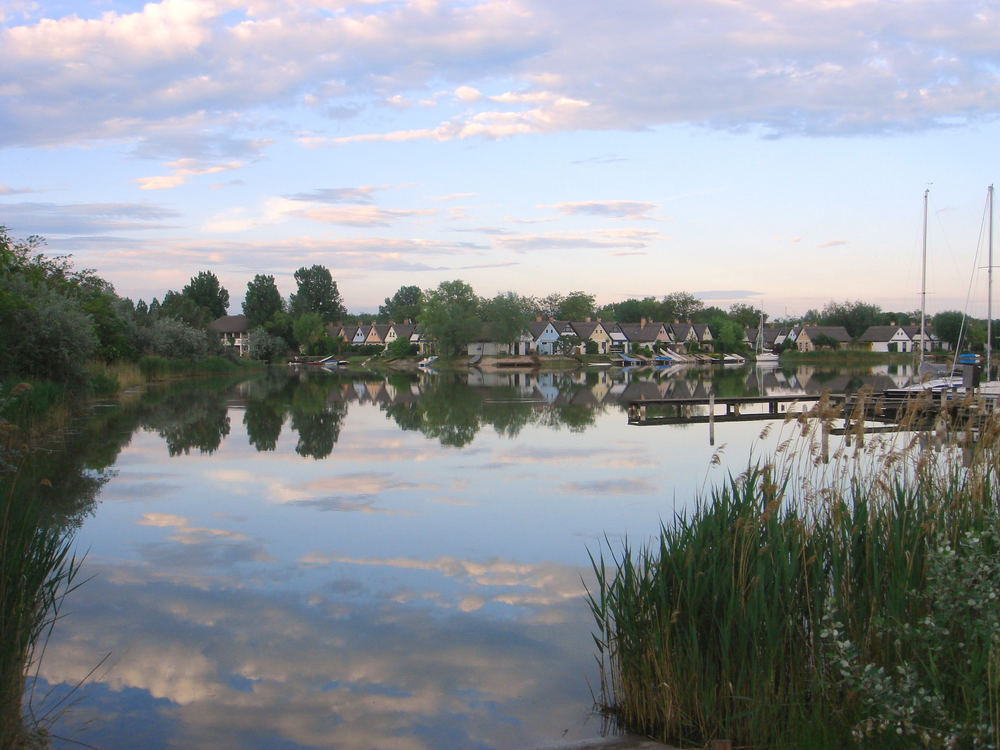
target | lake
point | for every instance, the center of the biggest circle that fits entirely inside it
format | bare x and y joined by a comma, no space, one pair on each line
306,560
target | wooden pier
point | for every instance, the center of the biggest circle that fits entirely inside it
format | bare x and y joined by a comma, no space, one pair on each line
681,410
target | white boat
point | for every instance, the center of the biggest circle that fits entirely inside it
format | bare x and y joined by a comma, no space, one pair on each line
763,358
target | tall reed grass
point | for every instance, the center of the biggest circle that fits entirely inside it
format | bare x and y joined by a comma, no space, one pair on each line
37,570
818,600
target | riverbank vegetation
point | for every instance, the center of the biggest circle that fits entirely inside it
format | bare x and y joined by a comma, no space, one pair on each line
814,605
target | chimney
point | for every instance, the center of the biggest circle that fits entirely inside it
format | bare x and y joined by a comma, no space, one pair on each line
587,319
538,318
642,322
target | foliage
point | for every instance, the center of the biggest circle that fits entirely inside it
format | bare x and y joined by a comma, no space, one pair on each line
262,301
205,291
167,337
404,305
450,316
680,306
46,333
508,315
310,333
856,317
401,347
856,606
576,306
265,346
745,316
824,341
726,334
316,293
183,309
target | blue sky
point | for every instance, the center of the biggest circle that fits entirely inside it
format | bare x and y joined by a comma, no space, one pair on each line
773,152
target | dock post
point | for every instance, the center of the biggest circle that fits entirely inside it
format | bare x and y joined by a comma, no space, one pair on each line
711,419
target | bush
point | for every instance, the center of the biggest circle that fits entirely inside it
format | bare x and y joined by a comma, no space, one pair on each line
46,335
171,338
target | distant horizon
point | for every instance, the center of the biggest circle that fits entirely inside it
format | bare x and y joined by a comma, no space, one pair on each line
763,153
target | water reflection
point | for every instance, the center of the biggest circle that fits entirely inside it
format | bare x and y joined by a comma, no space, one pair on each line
313,560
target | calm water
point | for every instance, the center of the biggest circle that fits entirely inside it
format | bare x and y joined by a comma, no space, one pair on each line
320,561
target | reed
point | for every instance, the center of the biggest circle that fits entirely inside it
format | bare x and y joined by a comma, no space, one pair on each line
816,600
37,570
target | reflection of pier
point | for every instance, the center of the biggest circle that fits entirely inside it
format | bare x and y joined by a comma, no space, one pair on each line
736,409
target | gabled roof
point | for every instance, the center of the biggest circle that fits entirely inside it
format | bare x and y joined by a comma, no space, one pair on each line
882,333
584,329
837,333
637,333
403,330
537,328
229,324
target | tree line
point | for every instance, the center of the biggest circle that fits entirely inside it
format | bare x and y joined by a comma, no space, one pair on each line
56,318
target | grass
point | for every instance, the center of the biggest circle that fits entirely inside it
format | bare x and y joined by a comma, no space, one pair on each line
806,604
37,570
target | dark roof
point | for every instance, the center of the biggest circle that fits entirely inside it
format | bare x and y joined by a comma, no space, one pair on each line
229,324
837,333
881,333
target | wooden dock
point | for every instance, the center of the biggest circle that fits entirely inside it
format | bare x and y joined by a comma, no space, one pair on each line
681,410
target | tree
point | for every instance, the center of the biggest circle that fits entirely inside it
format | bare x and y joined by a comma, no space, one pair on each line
856,317
508,315
948,326
262,300
680,306
745,316
309,333
265,346
577,306
206,291
317,293
404,305
179,306
726,333
450,316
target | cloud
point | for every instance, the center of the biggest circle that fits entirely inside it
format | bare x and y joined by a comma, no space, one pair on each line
206,70
725,294
363,194
832,243
629,238
359,216
607,209
84,218
180,170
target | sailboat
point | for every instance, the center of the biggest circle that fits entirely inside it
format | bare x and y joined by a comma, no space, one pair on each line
763,357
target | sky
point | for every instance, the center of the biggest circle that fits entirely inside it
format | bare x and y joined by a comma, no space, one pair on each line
772,153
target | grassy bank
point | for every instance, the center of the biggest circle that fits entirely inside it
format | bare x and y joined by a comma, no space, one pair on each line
812,605
845,357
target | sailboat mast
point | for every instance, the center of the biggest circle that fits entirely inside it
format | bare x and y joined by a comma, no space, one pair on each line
923,290
989,294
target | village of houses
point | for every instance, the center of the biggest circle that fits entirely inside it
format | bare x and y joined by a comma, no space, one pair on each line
543,337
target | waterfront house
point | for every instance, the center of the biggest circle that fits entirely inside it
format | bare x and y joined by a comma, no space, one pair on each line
891,338
543,336
232,330
807,336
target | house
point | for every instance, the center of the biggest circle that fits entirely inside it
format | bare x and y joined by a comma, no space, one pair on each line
890,338
543,336
398,331
376,333
486,344
232,330
592,331
805,341
933,341
691,334
628,336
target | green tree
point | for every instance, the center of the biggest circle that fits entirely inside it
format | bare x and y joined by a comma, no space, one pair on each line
403,305
508,315
577,306
262,300
450,316
745,316
309,333
265,346
317,293
680,306
206,292
856,317
727,335
180,307
948,326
